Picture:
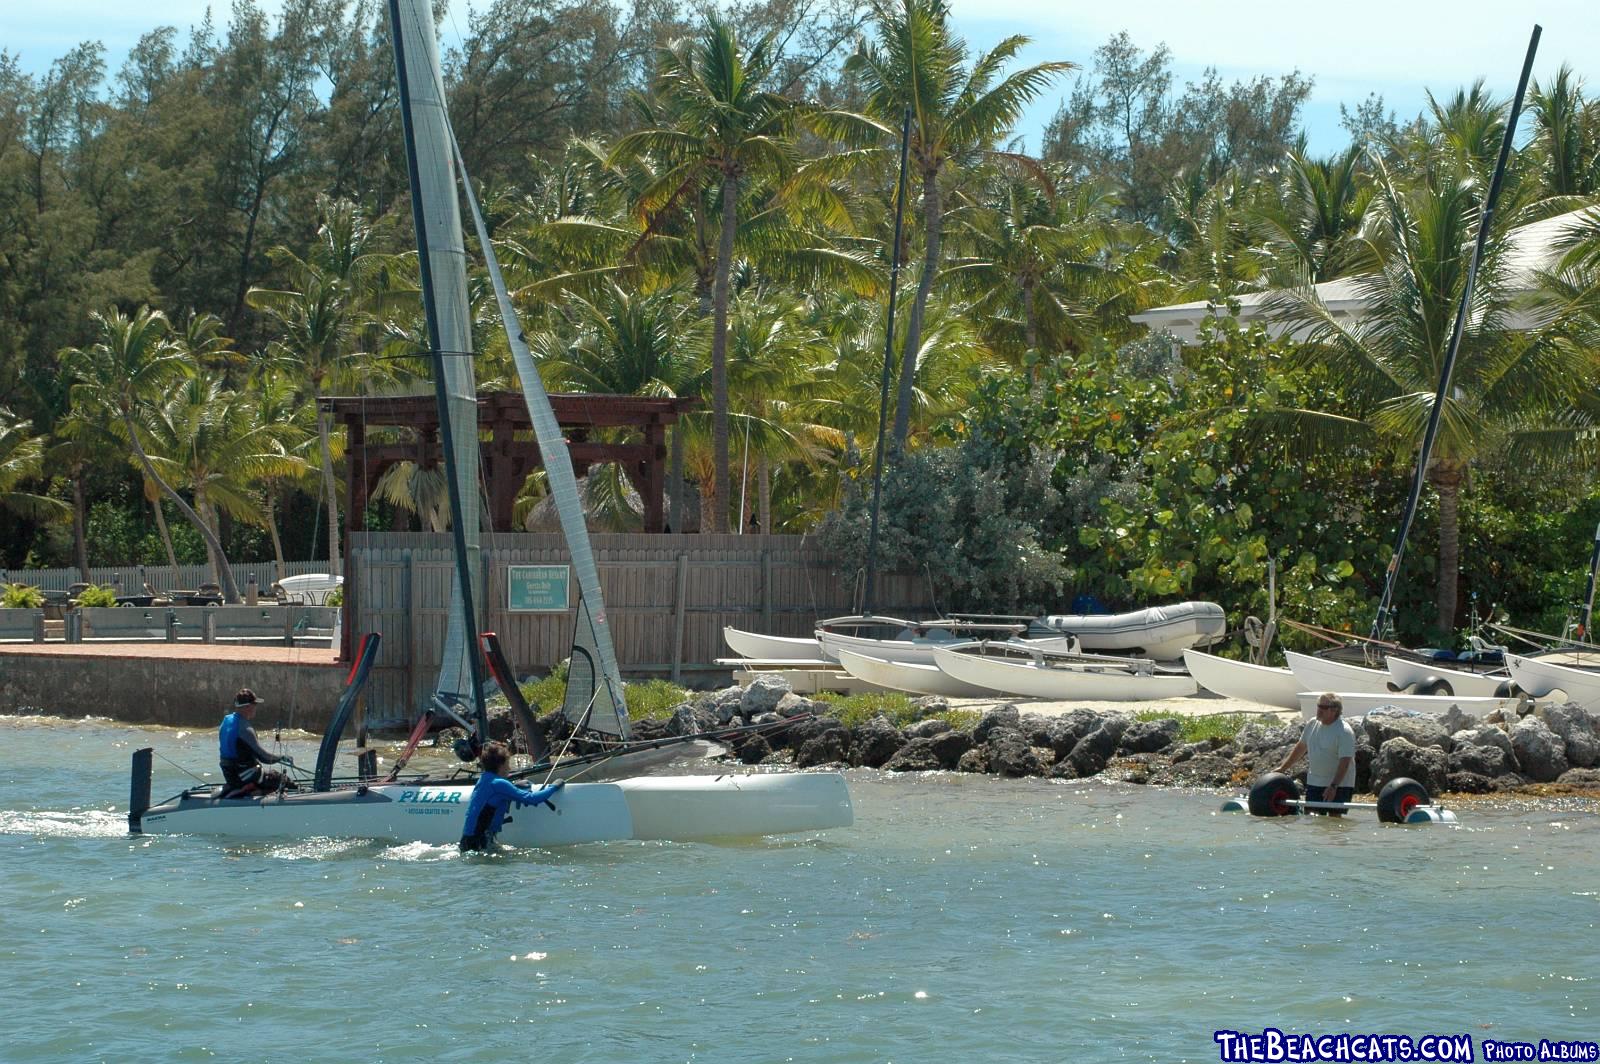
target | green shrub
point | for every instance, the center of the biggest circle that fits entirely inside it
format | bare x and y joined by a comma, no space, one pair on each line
98,595
21,597
335,597
854,710
1222,726
651,700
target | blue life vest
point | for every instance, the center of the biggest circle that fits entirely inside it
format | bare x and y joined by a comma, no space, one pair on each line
229,736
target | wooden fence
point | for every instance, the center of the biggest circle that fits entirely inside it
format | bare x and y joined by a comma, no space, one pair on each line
667,599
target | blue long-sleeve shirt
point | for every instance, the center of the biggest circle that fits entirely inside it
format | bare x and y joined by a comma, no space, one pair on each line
237,742
492,797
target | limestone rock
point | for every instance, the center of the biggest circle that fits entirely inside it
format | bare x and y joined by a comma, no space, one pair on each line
1541,753
1469,783
1576,727
766,690
1580,777
874,742
1487,760
1399,756
1417,729
927,729
916,756
949,746
1149,736
1002,716
1092,752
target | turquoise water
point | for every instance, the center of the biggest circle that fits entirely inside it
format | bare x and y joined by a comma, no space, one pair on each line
961,918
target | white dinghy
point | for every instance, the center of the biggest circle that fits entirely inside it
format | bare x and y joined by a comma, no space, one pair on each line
1017,669
433,809
1431,678
1541,676
1323,674
909,676
1160,632
1240,679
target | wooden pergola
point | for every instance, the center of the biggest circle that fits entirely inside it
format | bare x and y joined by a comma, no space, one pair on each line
507,460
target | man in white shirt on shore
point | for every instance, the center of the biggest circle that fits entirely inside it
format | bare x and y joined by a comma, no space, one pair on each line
1329,746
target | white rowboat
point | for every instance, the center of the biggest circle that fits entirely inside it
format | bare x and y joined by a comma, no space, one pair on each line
909,676
1321,674
1056,676
1421,675
770,647
1539,677
1240,679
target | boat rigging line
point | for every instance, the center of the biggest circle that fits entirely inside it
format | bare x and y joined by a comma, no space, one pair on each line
888,359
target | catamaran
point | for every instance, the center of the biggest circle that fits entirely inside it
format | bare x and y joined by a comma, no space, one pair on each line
432,809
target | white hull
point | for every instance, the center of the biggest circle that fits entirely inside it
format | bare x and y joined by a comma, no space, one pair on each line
1418,674
1320,674
1240,679
1360,703
1097,681
919,651
676,808
1540,677
770,647
909,676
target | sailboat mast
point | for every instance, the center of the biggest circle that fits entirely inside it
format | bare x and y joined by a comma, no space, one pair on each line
441,394
1485,222
867,600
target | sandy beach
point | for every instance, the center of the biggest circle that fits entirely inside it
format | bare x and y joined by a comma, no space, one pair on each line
1200,705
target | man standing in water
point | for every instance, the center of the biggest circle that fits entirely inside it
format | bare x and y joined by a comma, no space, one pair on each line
242,754
493,796
1330,749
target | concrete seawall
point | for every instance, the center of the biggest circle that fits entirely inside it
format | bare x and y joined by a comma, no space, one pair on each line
179,685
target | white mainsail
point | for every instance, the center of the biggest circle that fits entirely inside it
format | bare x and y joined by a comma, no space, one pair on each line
594,683
447,257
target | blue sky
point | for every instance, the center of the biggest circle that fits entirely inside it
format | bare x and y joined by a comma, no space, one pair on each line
1398,50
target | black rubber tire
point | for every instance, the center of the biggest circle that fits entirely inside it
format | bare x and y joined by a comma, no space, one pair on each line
1271,794
1508,689
1398,797
1435,686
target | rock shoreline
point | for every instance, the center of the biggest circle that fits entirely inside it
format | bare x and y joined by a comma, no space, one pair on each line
1455,752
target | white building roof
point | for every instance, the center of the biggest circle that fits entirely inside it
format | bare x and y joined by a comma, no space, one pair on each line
1532,248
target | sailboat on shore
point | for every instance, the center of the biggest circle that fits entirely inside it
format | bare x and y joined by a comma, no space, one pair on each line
432,809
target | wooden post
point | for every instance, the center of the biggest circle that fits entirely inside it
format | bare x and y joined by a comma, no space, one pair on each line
766,591
413,626
208,626
38,626
680,607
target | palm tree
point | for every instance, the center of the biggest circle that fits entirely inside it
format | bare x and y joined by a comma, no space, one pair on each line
629,343
212,441
725,130
957,115
319,317
1049,267
1312,232
21,460
1389,361
133,364
1566,136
